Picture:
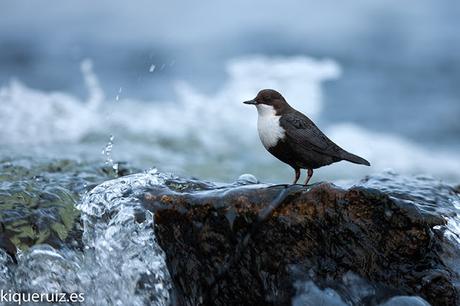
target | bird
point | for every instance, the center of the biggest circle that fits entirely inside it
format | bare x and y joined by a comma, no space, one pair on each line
293,138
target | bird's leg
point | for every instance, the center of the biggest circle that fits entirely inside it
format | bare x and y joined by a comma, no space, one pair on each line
297,175
310,174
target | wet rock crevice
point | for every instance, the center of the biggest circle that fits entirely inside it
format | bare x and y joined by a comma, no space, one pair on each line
251,244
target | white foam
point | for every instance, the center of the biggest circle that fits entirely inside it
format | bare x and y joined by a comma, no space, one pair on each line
385,151
31,116
208,135
121,263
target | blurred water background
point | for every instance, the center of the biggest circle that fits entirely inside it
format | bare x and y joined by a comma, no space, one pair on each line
166,80
92,90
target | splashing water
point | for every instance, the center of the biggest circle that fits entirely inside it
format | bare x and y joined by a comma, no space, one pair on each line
208,135
107,152
119,236
117,97
29,116
121,262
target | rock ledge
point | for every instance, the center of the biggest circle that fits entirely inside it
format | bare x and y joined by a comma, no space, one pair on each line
250,244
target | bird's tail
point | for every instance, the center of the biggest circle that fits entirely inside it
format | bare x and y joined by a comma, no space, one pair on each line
354,158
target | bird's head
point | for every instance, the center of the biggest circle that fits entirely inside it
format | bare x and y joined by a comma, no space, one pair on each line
269,100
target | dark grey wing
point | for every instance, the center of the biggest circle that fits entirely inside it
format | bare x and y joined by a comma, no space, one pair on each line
307,136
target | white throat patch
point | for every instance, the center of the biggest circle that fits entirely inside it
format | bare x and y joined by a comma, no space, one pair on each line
268,125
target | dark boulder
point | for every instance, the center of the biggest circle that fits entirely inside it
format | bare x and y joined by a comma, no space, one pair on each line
251,244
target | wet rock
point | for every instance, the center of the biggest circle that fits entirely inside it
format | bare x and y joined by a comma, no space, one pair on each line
250,244
38,197
6,244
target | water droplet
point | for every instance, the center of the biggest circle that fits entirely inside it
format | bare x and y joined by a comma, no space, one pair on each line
118,95
248,178
107,152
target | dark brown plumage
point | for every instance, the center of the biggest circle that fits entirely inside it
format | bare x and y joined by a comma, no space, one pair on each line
293,138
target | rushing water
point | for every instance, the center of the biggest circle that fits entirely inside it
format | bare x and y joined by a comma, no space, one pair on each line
73,238
82,107
206,135
101,242
114,261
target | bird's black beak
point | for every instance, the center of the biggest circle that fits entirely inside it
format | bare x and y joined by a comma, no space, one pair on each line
250,102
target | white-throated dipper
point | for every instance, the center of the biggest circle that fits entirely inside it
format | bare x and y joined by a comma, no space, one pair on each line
293,138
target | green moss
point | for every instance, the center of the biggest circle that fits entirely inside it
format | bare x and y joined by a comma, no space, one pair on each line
38,197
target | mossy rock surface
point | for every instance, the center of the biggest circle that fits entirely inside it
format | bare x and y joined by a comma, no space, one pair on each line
38,197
